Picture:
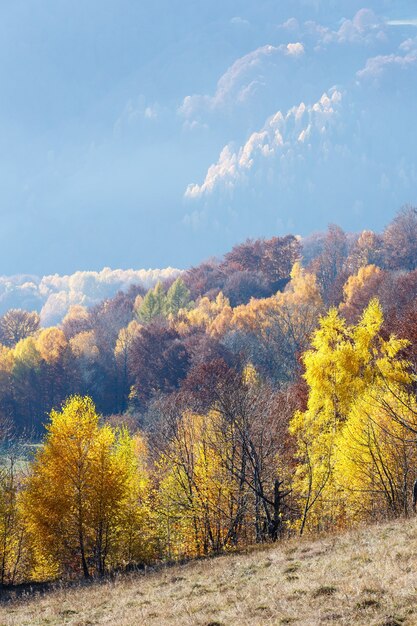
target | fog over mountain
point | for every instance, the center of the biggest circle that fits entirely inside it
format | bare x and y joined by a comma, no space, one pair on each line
53,295
137,134
339,147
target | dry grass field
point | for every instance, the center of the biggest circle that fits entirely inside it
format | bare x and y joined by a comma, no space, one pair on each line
366,577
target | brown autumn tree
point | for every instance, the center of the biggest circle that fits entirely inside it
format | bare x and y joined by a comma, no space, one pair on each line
158,360
17,324
254,443
366,250
206,278
329,266
243,285
273,258
107,319
400,240
76,321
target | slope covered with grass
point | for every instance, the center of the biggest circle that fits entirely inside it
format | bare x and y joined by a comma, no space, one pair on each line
365,577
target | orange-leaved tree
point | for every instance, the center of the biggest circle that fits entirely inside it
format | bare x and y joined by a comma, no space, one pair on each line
77,491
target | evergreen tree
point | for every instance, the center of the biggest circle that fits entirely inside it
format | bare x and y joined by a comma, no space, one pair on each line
153,305
177,298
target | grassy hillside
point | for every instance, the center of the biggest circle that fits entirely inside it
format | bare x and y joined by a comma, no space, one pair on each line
366,577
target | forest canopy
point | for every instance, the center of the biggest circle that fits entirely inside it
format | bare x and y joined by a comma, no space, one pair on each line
266,393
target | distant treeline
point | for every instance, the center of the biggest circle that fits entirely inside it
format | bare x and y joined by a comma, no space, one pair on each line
137,346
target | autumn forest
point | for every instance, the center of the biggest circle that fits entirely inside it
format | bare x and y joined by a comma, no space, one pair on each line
266,394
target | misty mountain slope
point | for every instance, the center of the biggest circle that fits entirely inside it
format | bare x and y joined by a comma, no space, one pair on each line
164,133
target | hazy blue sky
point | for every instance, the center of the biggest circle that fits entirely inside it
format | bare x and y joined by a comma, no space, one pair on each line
138,134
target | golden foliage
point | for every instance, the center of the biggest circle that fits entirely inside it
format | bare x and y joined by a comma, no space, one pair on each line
84,344
79,491
212,315
344,364
51,343
195,496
